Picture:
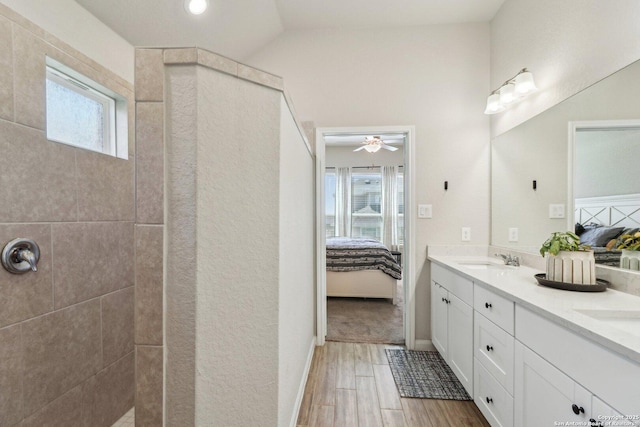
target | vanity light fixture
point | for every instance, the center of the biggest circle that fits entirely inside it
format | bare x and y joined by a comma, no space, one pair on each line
511,91
196,7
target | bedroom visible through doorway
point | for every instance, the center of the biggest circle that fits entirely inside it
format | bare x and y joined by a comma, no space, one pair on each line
364,223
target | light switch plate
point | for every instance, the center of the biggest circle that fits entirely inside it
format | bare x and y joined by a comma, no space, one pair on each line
425,211
513,234
556,211
466,234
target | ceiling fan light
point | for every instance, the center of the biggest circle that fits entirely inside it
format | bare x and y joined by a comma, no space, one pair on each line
372,148
196,7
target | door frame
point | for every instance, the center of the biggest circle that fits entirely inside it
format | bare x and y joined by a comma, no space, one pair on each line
409,262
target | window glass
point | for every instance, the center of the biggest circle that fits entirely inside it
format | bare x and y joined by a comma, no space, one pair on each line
366,198
330,203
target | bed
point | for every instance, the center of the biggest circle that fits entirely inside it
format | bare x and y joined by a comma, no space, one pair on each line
600,221
363,268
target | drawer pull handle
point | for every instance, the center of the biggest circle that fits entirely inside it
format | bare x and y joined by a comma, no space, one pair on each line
487,305
489,348
447,301
595,423
443,300
489,400
577,409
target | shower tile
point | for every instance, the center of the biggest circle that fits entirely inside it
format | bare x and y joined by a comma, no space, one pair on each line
261,77
39,180
150,162
61,350
109,394
10,376
6,70
148,386
29,78
65,411
149,262
26,295
117,325
105,187
217,62
149,78
91,259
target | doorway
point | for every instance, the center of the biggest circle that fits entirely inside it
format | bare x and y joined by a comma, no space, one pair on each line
366,175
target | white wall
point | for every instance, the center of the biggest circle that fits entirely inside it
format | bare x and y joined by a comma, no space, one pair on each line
433,77
297,264
75,26
567,44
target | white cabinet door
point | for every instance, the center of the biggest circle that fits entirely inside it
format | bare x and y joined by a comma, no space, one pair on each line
544,396
461,341
604,415
439,324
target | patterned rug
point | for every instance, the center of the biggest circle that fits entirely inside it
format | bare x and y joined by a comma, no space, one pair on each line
424,374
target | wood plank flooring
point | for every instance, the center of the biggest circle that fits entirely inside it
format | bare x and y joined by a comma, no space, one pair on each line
351,385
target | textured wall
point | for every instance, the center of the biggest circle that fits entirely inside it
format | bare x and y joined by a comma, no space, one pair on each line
66,331
239,319
297,263
568,45
433,77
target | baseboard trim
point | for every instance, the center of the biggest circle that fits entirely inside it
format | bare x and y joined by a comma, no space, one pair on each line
303,383
425,345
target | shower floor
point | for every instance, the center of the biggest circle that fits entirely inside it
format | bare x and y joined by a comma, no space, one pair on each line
127,420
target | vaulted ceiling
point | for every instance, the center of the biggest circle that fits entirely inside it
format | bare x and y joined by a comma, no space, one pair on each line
237,28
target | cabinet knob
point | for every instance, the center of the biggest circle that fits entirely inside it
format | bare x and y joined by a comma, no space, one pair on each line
489,348
489,400
577,409
448,301
487,305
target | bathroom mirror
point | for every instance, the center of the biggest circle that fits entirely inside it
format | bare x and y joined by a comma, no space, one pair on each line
539,150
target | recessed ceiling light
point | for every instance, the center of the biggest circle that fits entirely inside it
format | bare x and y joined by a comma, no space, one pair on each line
196,7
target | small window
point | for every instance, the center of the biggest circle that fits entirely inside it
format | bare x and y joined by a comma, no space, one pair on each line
83,113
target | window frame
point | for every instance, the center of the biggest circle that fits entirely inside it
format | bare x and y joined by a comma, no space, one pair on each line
115,127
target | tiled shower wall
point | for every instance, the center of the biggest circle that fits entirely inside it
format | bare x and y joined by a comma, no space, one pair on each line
66,331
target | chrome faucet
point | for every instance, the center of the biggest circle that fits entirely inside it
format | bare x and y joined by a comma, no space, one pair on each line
509,260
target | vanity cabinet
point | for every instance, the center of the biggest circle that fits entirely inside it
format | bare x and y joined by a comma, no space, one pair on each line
493,356
452,322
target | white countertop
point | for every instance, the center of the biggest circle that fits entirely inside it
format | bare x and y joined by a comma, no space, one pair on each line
520,285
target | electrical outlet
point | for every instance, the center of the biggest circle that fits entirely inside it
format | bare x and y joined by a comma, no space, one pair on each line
466,234
513,234
556,211
425,211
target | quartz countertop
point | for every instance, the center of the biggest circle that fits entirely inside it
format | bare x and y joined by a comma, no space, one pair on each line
566,308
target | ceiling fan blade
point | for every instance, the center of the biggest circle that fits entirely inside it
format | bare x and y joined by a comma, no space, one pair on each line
361,148
388,147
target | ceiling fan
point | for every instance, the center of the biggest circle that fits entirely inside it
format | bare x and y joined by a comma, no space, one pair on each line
373,143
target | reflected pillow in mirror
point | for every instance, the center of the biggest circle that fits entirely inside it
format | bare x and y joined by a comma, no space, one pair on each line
600,236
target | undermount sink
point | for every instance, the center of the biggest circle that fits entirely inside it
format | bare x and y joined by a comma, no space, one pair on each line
627,320
482,265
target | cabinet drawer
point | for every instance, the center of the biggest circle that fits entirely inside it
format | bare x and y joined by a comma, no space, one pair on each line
492,399
494,307
608,375
454,283
494,350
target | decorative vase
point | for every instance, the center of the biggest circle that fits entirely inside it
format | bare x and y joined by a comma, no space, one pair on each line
630,260
572,267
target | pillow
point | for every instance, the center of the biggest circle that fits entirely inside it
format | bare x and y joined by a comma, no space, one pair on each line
579,229
600,236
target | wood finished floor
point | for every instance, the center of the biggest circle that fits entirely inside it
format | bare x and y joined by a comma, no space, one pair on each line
351,385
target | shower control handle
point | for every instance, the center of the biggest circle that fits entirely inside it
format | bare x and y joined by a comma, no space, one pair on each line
20,256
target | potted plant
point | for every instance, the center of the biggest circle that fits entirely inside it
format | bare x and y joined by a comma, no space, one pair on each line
568,260
630,246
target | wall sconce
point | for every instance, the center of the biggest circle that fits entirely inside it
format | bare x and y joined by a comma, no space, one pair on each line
511,91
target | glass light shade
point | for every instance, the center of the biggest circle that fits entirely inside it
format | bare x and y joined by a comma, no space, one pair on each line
372,148
524,83
196,7
507,95
493,104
